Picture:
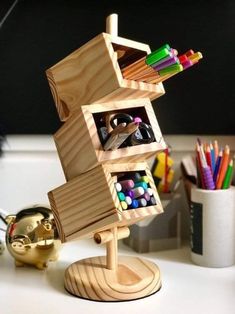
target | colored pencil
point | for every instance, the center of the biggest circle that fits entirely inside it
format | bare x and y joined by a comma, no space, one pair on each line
207,177
212,157
217,166
199,164
216,149
208,158
189,52
157,55
195,57
223,167
228,176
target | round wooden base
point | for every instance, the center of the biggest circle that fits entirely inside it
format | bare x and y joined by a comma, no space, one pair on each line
90,279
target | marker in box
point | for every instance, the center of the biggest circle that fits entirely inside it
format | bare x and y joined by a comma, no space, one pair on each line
138,192
142,202
130,194
167,63
128,200
145,179
135,176
144,185
157,55
127,184
146,196
118,186
150,191
134,204
152,201
124,205
121,196
175,68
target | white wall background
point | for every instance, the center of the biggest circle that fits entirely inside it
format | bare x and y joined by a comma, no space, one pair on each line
30,167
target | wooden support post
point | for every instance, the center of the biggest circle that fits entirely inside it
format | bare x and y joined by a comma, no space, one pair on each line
111,251
112,24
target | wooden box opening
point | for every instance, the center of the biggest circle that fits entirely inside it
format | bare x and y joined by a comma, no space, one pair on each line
134,190
127,55
135,112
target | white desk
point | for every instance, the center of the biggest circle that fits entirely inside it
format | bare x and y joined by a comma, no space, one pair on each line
186,288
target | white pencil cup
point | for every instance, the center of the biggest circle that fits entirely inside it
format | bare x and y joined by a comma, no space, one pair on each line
213,227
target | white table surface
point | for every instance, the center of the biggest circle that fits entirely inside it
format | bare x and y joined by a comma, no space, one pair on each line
186,288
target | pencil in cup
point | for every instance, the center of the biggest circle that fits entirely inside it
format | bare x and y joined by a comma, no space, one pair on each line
223,167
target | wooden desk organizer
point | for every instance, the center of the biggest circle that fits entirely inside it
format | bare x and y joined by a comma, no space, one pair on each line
85,85
89,203
92,74
79,146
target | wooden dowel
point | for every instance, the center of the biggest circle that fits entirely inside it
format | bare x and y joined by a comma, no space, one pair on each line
112,24
105,236
111,251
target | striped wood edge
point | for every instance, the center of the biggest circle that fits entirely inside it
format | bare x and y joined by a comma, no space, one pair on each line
90,279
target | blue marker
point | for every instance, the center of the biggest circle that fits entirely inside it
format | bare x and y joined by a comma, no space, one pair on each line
134,204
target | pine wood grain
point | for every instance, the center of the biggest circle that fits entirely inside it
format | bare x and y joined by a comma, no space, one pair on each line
78,143
92,74
89,203
90,279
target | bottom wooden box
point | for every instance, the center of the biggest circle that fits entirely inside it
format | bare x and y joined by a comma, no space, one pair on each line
89,203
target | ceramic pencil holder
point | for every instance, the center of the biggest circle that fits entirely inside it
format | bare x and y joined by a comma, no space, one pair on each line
213,227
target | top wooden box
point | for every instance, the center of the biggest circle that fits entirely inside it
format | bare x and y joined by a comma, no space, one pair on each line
92,73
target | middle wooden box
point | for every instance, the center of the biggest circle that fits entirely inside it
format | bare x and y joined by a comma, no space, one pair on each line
79,145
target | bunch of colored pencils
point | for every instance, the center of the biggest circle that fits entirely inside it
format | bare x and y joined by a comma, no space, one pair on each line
160,65
214,166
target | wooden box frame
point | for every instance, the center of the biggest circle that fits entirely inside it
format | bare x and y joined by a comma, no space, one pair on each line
89,203
79,146
92,74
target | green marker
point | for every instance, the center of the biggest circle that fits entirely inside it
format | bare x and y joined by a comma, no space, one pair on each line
166,46
228,176
157,55
121,196
172,69
143,184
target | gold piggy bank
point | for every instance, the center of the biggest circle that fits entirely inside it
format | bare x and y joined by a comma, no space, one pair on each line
32,237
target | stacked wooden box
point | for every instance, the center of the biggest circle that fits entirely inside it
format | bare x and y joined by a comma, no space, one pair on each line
86,84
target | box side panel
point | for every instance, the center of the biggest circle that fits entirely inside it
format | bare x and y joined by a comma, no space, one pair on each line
75,147
83,205
82,77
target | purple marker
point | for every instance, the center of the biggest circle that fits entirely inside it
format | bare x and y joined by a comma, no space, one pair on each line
164,59
146,196
167,63
127,184
130,194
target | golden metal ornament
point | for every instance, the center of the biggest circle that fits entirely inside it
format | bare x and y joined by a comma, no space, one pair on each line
32,238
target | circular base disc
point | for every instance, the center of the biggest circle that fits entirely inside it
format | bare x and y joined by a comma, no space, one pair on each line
90,279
